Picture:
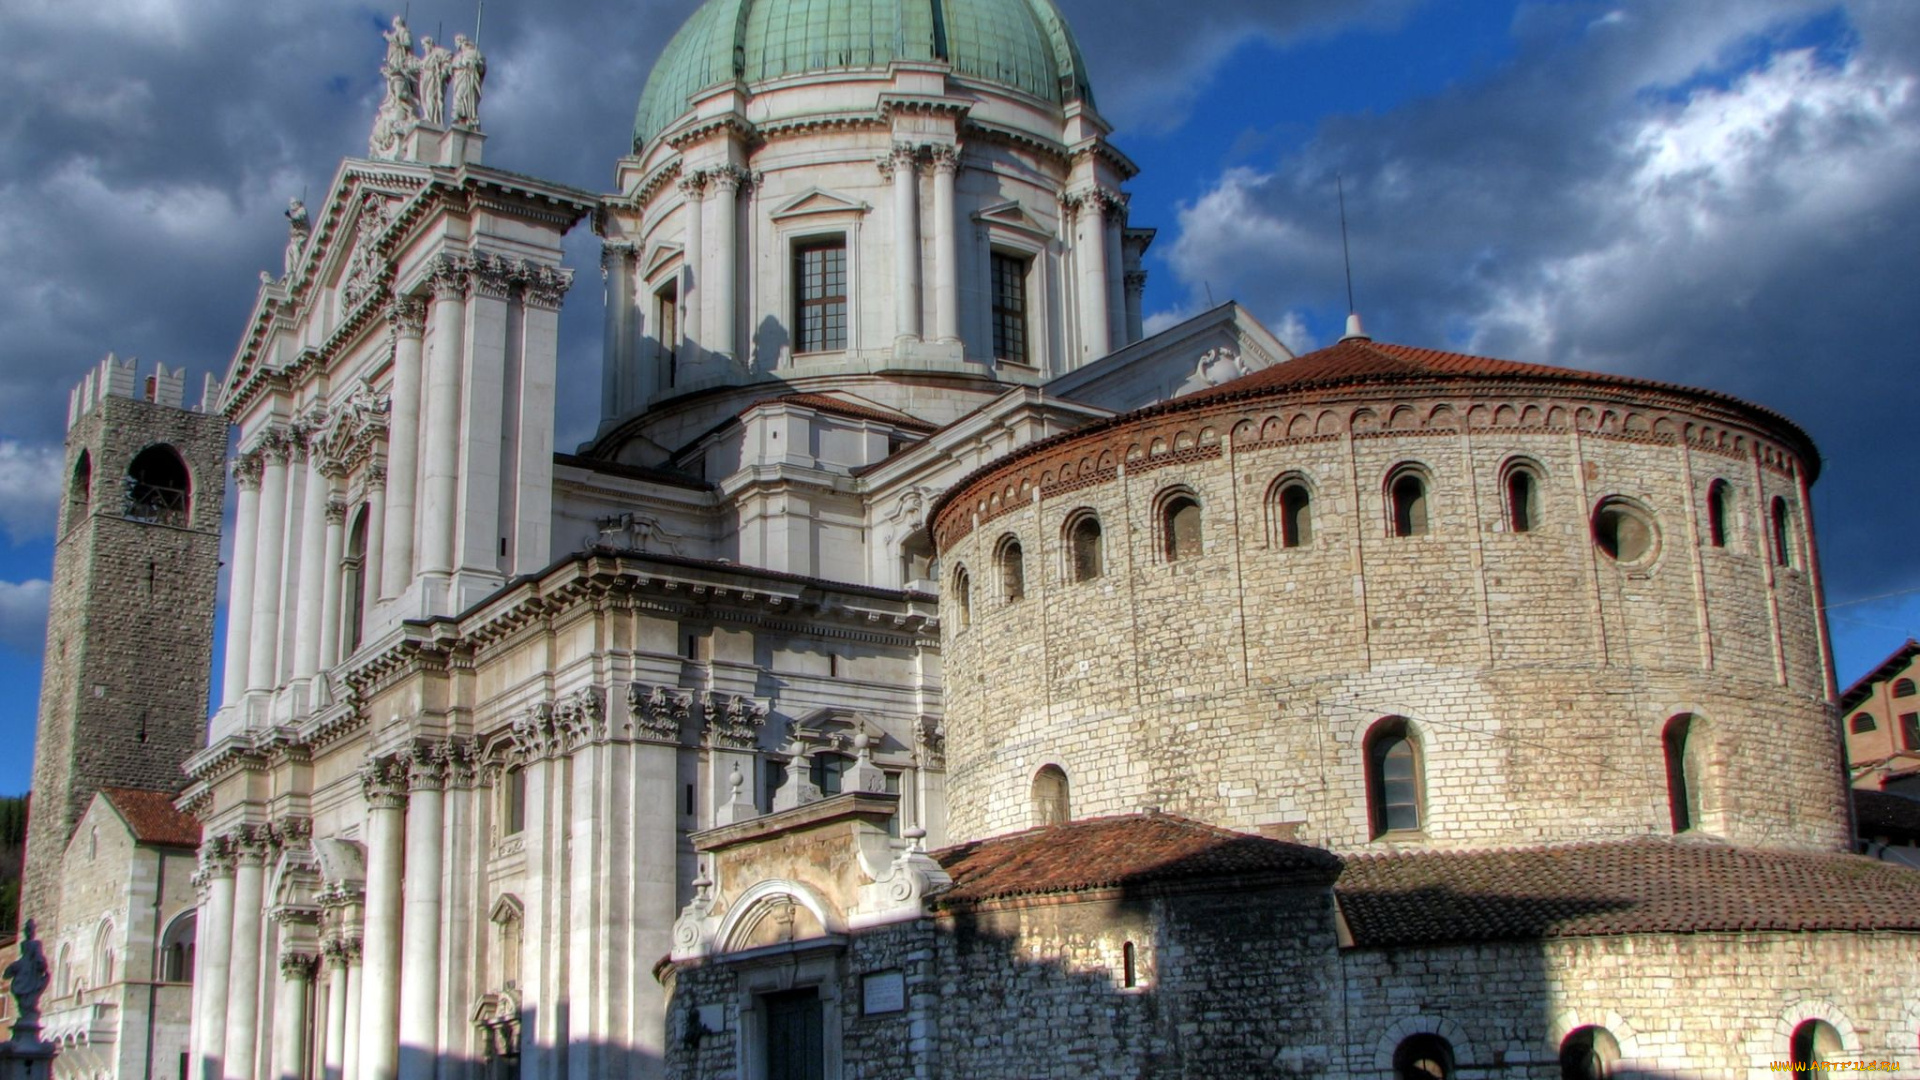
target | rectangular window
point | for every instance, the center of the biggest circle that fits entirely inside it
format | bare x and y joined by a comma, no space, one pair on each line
1910,730
515,812
820,295
1009,308
666,321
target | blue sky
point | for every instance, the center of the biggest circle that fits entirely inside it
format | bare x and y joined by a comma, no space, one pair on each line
1724,193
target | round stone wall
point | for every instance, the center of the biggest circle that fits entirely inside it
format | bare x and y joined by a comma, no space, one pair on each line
1634,650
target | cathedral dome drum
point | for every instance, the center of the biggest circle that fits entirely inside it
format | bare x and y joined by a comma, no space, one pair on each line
1020,45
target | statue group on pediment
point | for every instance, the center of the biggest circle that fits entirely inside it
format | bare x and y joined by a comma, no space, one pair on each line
417,86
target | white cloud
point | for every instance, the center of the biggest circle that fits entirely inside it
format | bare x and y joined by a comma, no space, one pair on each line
29,488
23,616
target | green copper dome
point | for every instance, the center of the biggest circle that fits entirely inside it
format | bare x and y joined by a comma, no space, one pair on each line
1021,44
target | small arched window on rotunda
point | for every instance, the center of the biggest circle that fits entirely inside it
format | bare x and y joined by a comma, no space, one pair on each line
1522,489
353,585
1589,1053
1782,533
1179,527
1394,781
1013,569
1292,510
1681,745
1719,512
1815,1041
159,490
1423,1057
962,598
1407,499
1051,802
80,490
1084,562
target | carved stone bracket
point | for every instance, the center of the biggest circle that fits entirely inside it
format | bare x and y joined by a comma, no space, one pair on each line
658,712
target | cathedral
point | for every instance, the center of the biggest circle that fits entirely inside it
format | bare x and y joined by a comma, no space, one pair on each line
926,672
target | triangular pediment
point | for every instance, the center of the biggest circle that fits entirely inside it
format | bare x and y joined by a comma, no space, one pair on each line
1011,215
816,201
662,256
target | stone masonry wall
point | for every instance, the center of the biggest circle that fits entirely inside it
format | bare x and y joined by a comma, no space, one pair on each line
129,631
1537,673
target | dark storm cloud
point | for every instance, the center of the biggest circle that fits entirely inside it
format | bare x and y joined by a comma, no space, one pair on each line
1716,194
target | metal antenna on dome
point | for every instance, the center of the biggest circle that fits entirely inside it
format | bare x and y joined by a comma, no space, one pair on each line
1354,330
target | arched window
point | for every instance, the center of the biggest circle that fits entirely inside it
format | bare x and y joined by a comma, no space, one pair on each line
1782,533
1013,569
1393,777
1179,527
1129,966
1407,492
80,490
353,584
1903,688
1624,531
177,947
103,955
1051,805
1719,512
1523,498
1423,1057
1863,723
508,917
962,599
1816,1040
65,968
1293,512
158,488
1084,562
1589,1053
1683,772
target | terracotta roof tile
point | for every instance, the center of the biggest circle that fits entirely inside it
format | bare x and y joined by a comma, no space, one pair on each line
1895,662
1122,852
153,818
1630,887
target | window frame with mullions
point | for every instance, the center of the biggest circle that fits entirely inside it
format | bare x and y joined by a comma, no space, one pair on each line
799,248
1001,316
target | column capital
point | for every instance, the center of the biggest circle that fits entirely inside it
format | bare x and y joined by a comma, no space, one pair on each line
946,158
336,512
250,844
658,711
298,965
545,287
334,950
407,315
216,858
730,179
620,253
247,468
449,277
693,185
374,478
1106,202
1136,280
427,766
734,725
384,783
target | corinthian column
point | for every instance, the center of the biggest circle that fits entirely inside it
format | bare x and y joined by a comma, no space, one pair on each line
692,286
420,990
1090,259
385,785
336,546
213,960
906,240
309,603
246,523
243,982
356,988
440,509
270,551
334,1038
407,315
290,1016
726,250
946,248
376,483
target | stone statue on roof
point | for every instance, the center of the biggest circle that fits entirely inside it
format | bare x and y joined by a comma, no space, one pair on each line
469,71
28,975
431,72
399,46
298,229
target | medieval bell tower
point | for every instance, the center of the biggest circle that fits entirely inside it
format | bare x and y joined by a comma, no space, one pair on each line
123,700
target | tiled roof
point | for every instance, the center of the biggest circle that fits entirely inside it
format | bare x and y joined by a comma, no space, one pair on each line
858,410
1896,662
1630,887
152,817
1123,852
1882,813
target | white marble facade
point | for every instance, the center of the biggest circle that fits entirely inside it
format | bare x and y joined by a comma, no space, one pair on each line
481,689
